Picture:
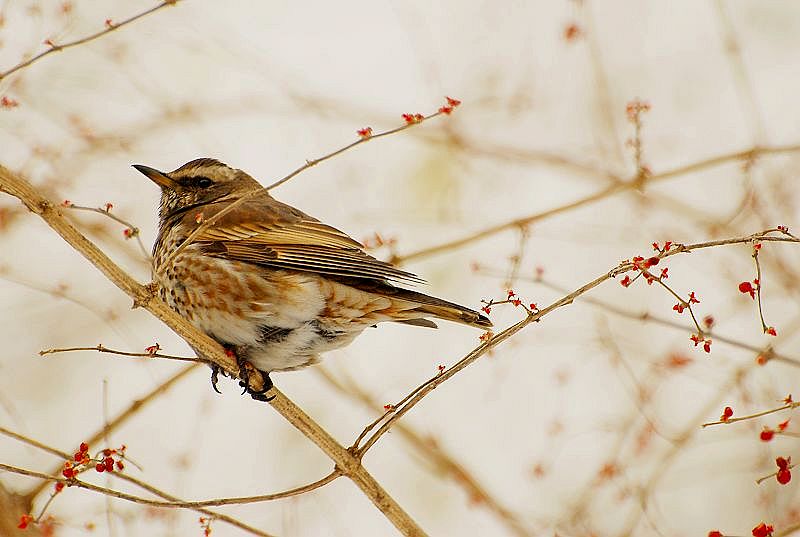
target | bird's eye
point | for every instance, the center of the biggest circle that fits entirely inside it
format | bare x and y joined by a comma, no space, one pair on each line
203,182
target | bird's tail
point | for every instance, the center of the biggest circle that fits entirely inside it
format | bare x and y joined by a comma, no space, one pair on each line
436,307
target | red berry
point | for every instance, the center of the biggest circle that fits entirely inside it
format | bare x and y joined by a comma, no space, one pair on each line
100,467
84,446
715,533
763,530
767,434
784,476
59,487
24,520
782,463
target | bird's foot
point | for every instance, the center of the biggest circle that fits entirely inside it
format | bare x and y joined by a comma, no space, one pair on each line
260,395
245,370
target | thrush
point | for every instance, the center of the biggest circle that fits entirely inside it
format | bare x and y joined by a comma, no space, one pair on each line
270,283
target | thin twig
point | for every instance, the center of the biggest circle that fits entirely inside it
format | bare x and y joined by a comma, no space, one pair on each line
101,348
74,482
752,416
758,287
205,224
645,316
132,232
54,47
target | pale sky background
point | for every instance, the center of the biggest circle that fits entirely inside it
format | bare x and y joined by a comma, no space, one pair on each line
263,86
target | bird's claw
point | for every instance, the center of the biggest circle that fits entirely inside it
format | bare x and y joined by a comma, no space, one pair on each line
215,378
259,395
244,374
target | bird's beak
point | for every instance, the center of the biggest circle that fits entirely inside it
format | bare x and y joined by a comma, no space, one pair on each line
159,178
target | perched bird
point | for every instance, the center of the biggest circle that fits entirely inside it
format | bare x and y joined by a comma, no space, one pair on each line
270,283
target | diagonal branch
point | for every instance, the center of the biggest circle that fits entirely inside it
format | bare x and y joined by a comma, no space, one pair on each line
532,316
110,27
209,349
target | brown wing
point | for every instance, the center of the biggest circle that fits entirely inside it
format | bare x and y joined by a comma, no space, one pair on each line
269,233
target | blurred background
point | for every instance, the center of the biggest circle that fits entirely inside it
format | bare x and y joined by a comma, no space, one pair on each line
585,424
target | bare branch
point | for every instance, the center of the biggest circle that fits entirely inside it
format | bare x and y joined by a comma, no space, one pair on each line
54,47
131,231
101,348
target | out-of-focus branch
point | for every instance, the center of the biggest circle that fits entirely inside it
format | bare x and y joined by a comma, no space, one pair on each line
744,83
135,406
432,452
607,192
110,27
209,349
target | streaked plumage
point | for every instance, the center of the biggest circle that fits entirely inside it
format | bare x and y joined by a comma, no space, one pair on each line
271,283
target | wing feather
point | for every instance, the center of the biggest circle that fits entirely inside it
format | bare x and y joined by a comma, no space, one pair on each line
304,245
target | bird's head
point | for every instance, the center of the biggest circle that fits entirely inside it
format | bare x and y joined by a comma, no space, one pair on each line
200,181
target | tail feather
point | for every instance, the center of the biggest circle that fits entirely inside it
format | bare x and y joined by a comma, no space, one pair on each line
426,305
429,305
425,323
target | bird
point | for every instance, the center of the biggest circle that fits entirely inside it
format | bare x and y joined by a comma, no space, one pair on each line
273,285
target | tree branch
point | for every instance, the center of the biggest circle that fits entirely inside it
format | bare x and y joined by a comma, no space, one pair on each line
110,27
